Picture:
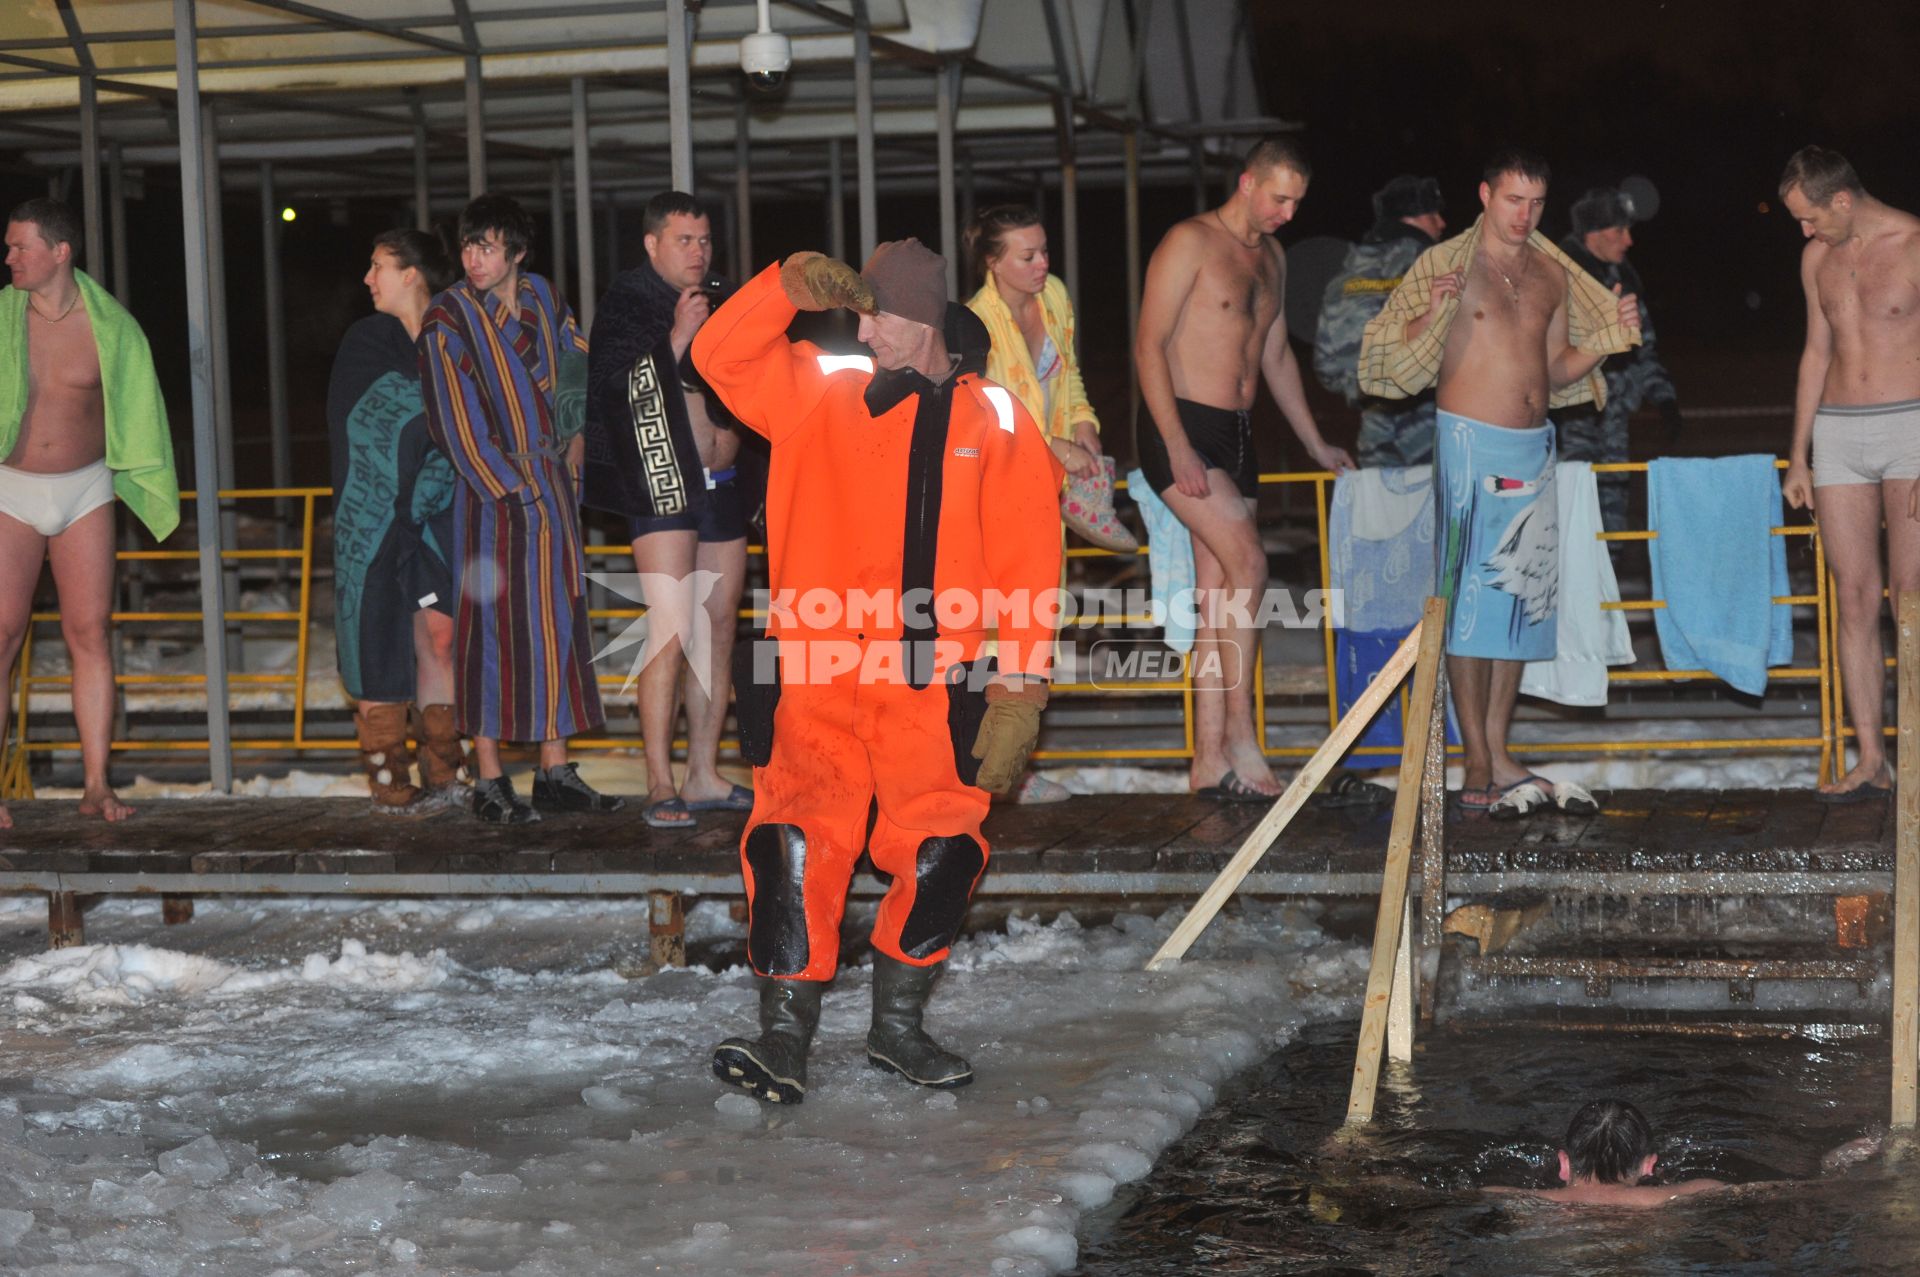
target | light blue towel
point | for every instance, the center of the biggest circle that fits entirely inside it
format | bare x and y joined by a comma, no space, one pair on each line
1380,546
1718,566
1169,562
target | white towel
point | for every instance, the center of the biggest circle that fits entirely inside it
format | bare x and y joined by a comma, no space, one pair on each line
1590,639
1169,562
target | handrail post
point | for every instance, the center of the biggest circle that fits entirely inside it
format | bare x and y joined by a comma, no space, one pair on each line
1389,922
1433,826
302,649
1906,872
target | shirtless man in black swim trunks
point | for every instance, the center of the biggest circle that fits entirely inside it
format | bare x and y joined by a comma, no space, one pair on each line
1211,327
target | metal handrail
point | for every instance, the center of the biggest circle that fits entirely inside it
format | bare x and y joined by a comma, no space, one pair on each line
1829,741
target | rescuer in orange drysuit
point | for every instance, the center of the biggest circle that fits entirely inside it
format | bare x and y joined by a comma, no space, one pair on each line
919,482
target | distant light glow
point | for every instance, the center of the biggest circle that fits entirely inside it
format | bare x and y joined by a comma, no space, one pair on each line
287,214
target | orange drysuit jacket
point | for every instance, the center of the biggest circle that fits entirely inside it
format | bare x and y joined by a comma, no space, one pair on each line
837,488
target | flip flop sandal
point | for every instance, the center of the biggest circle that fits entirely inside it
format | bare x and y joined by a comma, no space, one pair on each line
669,813
1518,800
1570,798
739,798
1231,789
1350,789
1476,801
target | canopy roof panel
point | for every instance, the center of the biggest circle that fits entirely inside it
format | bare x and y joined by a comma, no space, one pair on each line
317,84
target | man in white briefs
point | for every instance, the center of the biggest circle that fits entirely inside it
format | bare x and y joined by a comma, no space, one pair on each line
81,421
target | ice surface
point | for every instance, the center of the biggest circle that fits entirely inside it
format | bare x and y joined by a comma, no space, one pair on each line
14,1224
738,1109
202,1161
607,1099
489,1185
366,1201
510,1113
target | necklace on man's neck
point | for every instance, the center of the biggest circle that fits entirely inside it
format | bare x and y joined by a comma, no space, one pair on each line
1513,289
54,319
1229,230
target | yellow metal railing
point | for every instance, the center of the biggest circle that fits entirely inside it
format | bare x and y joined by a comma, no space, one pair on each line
14,780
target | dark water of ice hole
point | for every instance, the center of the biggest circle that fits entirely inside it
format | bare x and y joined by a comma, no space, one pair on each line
1254,1188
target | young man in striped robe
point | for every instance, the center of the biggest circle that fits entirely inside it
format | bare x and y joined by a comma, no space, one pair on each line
502,360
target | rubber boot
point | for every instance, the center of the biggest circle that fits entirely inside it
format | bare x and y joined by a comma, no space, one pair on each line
443,761
773,1066
896,1043
382,727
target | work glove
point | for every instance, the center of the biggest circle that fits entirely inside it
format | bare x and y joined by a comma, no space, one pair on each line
1007,733
813,281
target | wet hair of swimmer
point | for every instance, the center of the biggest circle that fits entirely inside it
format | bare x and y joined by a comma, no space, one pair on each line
423,251
986,236
1607,1141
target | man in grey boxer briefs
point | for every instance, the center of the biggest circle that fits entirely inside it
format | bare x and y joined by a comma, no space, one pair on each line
1857,409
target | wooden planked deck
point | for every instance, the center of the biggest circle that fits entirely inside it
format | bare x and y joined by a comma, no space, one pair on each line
1706,842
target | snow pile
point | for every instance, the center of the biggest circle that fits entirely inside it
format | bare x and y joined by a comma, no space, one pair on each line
127,975
365,1110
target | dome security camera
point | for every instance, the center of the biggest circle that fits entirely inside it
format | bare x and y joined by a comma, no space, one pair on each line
766,56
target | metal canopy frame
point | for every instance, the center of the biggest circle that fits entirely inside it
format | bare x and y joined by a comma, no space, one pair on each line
429,101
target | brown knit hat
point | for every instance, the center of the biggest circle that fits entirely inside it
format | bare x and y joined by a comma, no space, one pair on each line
909,280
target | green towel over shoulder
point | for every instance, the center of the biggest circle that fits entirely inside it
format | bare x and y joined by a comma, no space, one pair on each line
139,445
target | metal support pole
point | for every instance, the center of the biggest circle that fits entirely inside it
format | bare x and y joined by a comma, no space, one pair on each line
1133,261
422,186
742,197
476,131
679,96
66,926
583,205
966,188
200,379
95,255
117,204
863,130
946,89
666,929
1183,33
1066,65
836,201
279,436
1070,215
557,215
222,365
131,578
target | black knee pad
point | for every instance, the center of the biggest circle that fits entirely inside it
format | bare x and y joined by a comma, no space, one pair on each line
944,870
777,935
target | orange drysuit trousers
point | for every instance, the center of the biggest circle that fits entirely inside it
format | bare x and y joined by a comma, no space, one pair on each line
838,745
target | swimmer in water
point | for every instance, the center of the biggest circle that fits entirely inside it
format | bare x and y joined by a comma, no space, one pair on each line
1607,1155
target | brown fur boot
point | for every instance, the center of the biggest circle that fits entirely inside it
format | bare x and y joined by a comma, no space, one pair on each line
443,760
382,726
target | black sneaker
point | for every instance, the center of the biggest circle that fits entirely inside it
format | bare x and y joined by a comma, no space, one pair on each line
495,802
561,789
